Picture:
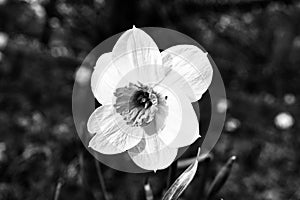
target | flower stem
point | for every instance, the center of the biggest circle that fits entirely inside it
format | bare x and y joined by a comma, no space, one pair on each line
148,190
186,162
57,189
101,180
172,174
204,175
220,178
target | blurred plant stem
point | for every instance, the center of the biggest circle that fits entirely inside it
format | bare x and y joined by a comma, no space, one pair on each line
186,162
200,193
57,189
83,176
50,9
148,190
172,174
182,182
101,180
221,178
98,168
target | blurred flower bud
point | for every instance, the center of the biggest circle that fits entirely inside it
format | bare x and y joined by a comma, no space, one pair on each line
289,99
269,99
3,40
2,2
232,124
54,22
2,151
38,10
296,42
72,170
223,105
284,120
221,178
83,75
148,191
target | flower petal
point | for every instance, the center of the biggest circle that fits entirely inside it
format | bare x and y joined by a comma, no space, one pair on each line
152,154
113,135
134,58
136,49
188,67
105,79
181,126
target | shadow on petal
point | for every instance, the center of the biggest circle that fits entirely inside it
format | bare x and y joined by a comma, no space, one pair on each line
152,154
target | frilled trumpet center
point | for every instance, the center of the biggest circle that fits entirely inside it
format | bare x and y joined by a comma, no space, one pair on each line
137,103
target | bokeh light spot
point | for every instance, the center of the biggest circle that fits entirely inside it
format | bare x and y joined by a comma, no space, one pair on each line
284,120
232,124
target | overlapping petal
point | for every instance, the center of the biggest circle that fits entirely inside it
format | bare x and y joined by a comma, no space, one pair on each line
152,154
181,126
189,68
136,49
135,57
113,135
105,79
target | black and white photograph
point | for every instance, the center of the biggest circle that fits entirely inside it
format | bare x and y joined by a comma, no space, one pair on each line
149,99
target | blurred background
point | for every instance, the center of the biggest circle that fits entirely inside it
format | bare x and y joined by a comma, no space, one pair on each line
255,44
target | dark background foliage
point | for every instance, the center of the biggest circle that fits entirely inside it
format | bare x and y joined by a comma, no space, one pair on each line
255,44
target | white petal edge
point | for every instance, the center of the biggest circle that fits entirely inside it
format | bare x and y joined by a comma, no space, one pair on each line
192,65
152,154
105,79
181,127
136,49
113,135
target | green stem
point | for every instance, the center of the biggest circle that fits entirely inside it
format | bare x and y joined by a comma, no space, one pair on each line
101,180
57,189
172,174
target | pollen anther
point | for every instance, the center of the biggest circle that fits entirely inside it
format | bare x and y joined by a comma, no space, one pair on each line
137,103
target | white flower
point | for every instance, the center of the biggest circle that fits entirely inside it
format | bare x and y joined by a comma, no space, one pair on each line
146,99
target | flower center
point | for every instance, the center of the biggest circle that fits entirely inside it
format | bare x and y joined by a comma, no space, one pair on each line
137,103
144,99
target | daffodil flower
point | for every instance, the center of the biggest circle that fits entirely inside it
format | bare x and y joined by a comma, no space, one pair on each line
146,98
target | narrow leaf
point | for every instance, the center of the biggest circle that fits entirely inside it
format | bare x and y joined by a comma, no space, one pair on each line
148,191
101,180
58,188
172,174
182,181
205,166
221,178
188,161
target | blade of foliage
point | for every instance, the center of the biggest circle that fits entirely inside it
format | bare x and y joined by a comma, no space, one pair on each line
101,180
204,170
58,188
148,191
172,174
221,178
186,162
182,181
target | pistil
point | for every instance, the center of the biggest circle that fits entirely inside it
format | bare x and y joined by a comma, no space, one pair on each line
137,103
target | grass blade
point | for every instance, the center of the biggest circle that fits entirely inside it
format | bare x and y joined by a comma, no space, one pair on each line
221,178
182,181
58,188
188,161
101,180
172,174
148,190
204,170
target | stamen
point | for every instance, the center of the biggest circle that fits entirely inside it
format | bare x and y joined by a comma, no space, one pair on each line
137,103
